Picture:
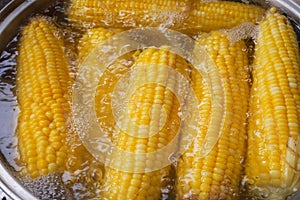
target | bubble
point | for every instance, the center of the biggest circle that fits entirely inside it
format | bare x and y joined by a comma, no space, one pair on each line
244,31
47,187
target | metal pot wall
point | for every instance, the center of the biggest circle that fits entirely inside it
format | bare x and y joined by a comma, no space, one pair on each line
14,14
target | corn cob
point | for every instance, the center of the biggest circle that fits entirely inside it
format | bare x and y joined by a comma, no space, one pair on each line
107,82
208,16
274,127
45,141
91,39
43,81
115,13
217,175
179,15
148,105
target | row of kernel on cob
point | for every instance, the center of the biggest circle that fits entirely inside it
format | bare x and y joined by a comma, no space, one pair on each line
269,143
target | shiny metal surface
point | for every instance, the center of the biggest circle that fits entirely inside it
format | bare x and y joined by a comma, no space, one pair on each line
14,14
3,196
11,188
290,7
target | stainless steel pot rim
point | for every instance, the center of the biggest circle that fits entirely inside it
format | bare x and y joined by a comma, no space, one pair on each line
12,16
11,187
290,7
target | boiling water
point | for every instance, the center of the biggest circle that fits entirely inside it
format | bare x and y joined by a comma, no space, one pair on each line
8,104
67,185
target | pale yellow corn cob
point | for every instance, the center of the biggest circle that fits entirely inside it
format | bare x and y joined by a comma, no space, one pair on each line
149,105
183,15
274,126
217,175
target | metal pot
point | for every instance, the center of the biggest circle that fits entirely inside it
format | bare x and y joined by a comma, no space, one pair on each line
11,18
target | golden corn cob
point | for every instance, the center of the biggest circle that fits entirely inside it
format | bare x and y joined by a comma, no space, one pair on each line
274,123
107,82
217,175
149,105
90,40
126,13
45,141
43,82
175,14
208,16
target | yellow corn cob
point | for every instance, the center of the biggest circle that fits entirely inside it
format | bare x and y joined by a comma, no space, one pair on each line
175,14
91,39
208,16
107,82
43,82
149,105
217,175
46,143
126,13
274,125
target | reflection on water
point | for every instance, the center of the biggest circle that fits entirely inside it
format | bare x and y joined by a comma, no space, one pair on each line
8,103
